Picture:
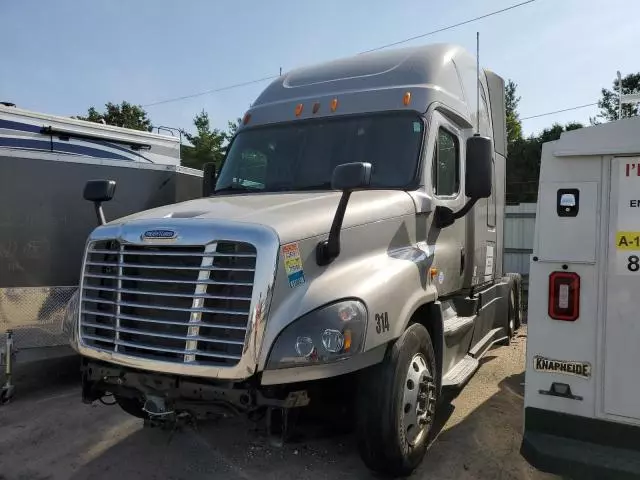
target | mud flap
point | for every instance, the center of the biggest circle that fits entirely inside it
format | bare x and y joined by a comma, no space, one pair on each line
281,418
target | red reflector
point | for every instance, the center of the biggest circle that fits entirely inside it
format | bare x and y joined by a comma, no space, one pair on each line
564,296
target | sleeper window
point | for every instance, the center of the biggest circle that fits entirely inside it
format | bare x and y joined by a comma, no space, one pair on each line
446,164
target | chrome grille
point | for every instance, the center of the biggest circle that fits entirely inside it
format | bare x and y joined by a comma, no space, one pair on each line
169,303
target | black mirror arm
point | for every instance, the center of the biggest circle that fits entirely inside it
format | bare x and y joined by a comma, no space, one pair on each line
327,250
444,216
97,192
99,213
467,206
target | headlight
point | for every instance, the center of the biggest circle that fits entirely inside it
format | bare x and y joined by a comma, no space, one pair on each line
326,335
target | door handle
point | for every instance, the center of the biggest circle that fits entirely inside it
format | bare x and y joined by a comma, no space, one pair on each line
462,258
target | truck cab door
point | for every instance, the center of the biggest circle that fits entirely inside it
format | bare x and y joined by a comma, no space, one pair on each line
444,178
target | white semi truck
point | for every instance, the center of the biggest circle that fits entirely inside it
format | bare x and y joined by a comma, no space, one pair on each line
582,408
354,231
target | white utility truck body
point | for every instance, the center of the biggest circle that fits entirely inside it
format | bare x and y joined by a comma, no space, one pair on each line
582,394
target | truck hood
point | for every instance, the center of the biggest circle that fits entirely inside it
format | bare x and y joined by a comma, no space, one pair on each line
294,216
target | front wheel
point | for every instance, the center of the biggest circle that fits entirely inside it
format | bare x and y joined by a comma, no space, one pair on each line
396,405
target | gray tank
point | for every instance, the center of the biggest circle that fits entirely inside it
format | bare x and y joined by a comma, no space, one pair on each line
354,234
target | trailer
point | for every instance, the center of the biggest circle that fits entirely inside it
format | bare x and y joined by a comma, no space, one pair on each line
353,234
582,413
45,161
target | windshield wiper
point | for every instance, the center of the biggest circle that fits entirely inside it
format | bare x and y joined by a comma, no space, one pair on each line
319,186
236,188
274,188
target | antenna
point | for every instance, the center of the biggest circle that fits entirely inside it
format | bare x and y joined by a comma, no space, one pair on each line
478,80
619,94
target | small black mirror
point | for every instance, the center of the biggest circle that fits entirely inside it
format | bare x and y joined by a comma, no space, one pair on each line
99,190
347,178
351,176
479,167
208,179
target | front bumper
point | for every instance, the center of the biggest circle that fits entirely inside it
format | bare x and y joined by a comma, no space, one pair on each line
184,393
580,447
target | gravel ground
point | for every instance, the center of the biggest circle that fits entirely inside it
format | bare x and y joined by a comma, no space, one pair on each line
50,434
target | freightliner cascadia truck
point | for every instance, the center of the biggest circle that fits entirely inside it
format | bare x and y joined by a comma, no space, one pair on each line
353,231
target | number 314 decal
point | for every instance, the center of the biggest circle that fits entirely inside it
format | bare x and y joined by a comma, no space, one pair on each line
382,322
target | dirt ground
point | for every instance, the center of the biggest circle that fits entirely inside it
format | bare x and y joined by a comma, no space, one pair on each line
49,434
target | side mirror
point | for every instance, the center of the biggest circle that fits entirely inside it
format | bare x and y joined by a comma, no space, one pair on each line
479,167
346,177
208,179
478,179
98,191
351,176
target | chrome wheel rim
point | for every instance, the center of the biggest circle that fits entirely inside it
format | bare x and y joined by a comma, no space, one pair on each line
418,400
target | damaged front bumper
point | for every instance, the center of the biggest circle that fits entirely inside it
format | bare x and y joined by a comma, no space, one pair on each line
161,393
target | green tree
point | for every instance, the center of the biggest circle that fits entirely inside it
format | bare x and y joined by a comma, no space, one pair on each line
123,115
573,126
523,164
232,128
207,144
514,126
608,102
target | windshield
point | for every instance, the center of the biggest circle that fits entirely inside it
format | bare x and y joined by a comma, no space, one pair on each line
302,156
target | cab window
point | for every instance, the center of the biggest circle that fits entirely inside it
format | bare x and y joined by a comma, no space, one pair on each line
299,156
446,164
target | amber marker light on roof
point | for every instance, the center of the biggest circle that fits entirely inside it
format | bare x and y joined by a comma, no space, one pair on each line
316,107
298,109
334,104
407,98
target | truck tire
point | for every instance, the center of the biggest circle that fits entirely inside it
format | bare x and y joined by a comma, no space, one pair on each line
516,278
396,405
512,314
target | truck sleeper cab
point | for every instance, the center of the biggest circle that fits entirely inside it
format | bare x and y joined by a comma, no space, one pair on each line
355,228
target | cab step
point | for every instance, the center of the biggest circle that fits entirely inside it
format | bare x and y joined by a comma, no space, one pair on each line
461,373
455,328
490,339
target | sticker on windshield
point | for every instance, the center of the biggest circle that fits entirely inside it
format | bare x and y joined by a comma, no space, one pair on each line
293,264
417,127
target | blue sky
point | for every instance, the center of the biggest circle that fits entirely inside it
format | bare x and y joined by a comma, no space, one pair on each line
62,57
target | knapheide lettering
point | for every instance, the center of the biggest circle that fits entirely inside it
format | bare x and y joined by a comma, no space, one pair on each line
556,366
